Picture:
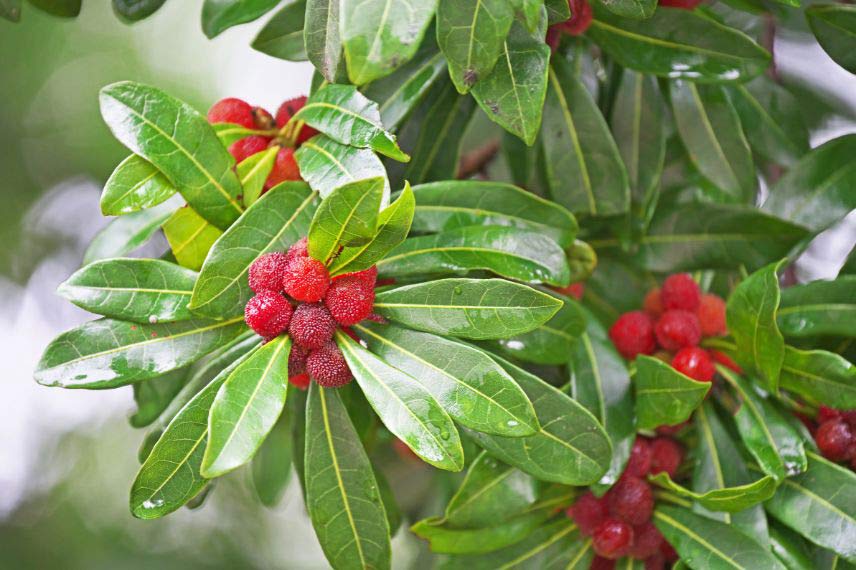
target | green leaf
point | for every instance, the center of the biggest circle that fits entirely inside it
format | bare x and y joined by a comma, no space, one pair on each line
817,191
513,95
296,412
190,237
679,44
506,251
253,172
470,34
529,12
59,8
10,10
709,544
327,165
228,133
453,204
820,505
471,388
280,218
582,165
322,39
582,260
751,315
467,308
664,396
834,26
405,406
220,15
347,217
246,408
108,353
381,35
134,185
713,137
820,376
728,499
570,448
179,142
155,395
271,466
393,225
126,233
462,541
819,308
282,36
349,117
791,549
557,11
633,9
139,290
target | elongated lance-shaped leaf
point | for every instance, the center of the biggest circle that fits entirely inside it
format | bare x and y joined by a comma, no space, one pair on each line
271,466
514,253
126,233
253,172
570,448
664,396
190,237
107,353
729,499
347,217
834,27
393,226
342,495
220,15
326,165
633,9
819,308
467,308
471,388
246,408
280,217
349,117
381,35
177,140
153,396
322,38
529,12
405,407
296,411
820,375
228,133
135,185
282,36
139,290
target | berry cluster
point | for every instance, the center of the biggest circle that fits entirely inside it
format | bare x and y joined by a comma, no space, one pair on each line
295,295
275,133
675,318
835,434
620,521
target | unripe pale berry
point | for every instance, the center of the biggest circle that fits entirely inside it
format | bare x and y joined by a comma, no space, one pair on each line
681,292
246,147
268,314
328,367
311,325
677,329
633,334
232,110
267,271
695,363
306,279
350,300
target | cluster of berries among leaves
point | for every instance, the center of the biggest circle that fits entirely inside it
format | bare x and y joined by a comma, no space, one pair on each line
295,295
834,432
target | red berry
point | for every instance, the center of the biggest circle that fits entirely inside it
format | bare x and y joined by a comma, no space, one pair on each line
288,109
311,325
268,313
588,512
653,303
284,168
711,315
672,430
632,334
722,358
263,120
681,292
300,248
656,561
834,438
246,147
639,463
297,359
668,551
306,279
554,36
601,563
683,4
666,456
849,417
825,413
646,541
574,290
695,363
300,381
328,367
612,539
267,271
580,20
677,329
350,300
631,500
369,276
231,110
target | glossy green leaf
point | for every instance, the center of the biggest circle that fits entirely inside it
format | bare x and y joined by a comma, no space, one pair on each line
271,466
679,44
134,185
819,308
713,137
791,549
322,39
820,376
108,353
190,237
471,388
246,408
342,495
228,133
405,406
453,204
282,36
326,164
633,9
139,290
506,251
582,164
253,172
729,499
470,541
280,218
380,35
10,10
470,34
834,26
664,396
467,308
296,412
557,11
154,396
220,15
513,94
126,233
347,217
59,8
529,12
179,142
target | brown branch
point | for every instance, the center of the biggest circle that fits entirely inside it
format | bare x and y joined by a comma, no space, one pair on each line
477,160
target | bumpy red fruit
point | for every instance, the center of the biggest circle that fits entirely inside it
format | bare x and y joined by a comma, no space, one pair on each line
825,413
601,563
631,500
311,326
646,541
639,463
711,315
284,168
297,359
588,512
680,291
722,358
306,279
267,271
655,562
369,276
574,290
668,551
287,110
581,17
834,438
653,303
268,313
231,110
300,248
350,300
328,367
695,363
677,329
633,334
300,381
666,456
683,4
246,147
612,539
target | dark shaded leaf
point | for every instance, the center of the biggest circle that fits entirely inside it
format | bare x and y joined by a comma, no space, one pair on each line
282,36
634,9
819,308
834,26
126,233
271,467
59,8
155,395
220,15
